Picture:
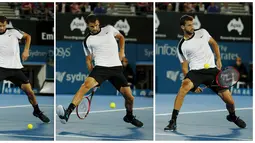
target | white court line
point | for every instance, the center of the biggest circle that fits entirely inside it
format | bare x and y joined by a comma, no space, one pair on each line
97,138
116,110
206,111
209,137
31,136
18,106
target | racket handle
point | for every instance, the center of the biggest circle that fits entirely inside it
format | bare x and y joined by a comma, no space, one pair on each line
95,89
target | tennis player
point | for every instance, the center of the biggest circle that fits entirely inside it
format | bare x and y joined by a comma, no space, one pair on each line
194,50
10,64
101,46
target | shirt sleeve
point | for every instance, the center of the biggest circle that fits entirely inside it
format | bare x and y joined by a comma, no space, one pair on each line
18,33
86,47
206,34
114,30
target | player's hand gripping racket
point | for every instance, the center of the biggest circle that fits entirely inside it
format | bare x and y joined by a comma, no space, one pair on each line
82,110
226,78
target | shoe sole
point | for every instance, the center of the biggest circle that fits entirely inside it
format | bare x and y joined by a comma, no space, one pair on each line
61,112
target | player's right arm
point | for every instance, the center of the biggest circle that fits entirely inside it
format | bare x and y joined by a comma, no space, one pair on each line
185,68
89,62
88,53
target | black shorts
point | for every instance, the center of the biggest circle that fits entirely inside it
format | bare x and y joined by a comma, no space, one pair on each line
206,77
113,74
16,76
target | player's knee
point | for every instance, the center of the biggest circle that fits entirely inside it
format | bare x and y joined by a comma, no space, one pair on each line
130,99
30,93
186,85
87,85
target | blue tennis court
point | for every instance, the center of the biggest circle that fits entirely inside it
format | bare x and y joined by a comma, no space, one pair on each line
16,114
203,118
104,123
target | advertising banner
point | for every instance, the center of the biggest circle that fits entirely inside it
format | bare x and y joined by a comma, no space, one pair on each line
225,28
41,32
135,29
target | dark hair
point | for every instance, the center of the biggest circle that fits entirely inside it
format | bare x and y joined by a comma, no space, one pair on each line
3,19
185,18
91,18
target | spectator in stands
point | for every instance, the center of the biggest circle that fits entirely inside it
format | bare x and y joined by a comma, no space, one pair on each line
128,72
201,7
133,9
99,9
212,8
241,69
169,7
188,7
27,9
142,7
85,7
225,9
49,11
75,8
63,8
246,7
111,10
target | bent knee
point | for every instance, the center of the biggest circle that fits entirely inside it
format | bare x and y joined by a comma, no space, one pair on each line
187,85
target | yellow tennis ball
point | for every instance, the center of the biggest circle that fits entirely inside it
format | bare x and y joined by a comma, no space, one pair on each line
206,66
112,105
30,126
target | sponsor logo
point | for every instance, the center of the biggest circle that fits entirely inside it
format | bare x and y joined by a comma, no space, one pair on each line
76,77
78,24
63,52
166,50
122,26
196,22
46,36
157,22
236,25
148,53
173,75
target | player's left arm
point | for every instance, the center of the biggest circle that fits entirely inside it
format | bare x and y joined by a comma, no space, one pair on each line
216,50
25,53
121,45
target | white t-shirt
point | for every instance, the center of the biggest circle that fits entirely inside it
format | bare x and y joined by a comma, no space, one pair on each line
103,47
196,50
9,49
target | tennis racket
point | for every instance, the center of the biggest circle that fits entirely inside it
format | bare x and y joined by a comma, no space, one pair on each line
82,110
226,78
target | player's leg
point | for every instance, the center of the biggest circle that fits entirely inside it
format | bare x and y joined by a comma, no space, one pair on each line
89,83
120,83
186,86
19,78
226,96
26,87
129,101
230,105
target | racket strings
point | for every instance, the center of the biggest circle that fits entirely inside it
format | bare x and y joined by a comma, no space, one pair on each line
228,77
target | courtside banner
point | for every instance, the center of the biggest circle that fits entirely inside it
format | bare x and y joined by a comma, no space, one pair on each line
221,27
40,31
135,29
44,33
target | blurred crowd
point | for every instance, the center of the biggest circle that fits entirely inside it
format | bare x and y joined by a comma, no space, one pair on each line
104,8
187,7
29,10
